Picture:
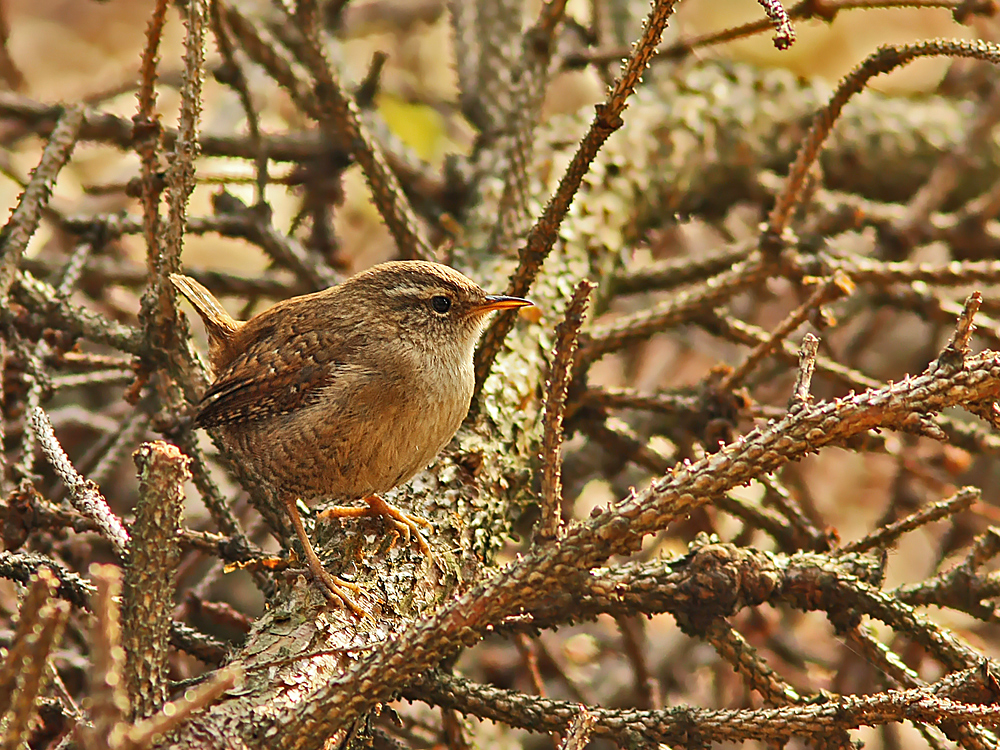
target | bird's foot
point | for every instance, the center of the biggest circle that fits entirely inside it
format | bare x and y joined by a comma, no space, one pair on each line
334,588
407,524
337,590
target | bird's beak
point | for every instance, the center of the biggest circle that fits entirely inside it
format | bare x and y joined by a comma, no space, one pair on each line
500,302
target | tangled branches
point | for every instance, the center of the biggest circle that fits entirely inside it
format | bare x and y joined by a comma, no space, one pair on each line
729,440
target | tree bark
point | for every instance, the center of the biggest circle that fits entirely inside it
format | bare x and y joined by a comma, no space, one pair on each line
692,142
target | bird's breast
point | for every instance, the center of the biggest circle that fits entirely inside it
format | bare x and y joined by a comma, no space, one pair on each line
368,432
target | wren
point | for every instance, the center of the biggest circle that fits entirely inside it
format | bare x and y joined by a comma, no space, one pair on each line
345,393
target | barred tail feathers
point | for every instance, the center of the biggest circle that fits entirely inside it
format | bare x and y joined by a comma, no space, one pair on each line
217,320
220,326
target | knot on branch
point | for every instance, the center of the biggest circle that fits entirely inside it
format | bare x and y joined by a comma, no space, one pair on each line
722,579
716,421
20,516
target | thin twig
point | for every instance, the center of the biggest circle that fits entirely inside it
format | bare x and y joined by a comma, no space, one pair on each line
749,334
165,330
684,306
962,587
959,343
104,127
786,503
101,463
146,132
628,398
286,251
646,685
24,220
560,375
836,287
664,275
948,171
805,10
884,536
42,298
807,365
523,105
148,588
528,651
886,59
543,234
84,494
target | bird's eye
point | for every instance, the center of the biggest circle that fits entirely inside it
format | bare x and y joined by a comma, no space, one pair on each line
440,304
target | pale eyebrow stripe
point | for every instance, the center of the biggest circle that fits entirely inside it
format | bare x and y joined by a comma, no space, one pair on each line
405,291
419,291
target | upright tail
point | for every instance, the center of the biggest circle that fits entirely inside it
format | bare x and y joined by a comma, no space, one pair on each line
220,325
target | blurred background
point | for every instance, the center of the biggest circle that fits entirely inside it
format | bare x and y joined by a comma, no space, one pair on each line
58,50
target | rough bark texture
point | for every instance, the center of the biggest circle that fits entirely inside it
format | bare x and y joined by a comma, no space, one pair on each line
690,143
694,140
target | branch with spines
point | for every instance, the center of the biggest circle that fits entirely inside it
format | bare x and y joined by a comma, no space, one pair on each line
886,59
589,238
674,725
524,585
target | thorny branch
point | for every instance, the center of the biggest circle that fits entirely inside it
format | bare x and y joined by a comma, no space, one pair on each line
555,403
24,219
542,237
674,726
886,59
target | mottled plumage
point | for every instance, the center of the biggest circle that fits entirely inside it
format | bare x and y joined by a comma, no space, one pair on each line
347,392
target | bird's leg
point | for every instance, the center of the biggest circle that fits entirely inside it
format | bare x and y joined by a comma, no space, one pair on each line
332,586
406,523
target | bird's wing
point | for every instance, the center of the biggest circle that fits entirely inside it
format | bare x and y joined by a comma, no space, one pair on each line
265,381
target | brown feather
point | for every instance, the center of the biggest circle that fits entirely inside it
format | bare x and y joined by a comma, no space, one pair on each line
220,326
348,391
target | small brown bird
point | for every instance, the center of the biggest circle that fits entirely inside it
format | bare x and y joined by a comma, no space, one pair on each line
347,392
